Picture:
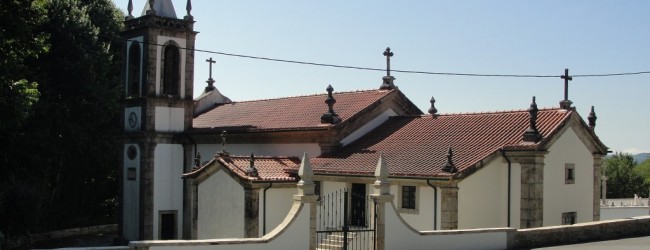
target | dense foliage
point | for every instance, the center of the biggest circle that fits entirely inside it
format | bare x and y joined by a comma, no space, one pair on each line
624,177
59,113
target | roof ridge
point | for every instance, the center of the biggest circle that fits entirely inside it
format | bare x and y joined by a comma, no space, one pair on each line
496,112
310,95
261,157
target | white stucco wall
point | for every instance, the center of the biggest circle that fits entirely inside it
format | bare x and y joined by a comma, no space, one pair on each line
168,185
560,197
374,123
297,149
170,119
221,207
278,204
399,236
482,197
295,235
422,217
612,213
131,198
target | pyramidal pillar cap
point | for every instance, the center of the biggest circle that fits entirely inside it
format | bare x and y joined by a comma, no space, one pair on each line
306,185
382,185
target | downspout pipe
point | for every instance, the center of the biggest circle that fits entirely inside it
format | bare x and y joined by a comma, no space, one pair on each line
264,208
503,153
435,205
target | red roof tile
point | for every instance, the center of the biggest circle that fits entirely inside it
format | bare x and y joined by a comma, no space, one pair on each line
268,168
286,113
417,146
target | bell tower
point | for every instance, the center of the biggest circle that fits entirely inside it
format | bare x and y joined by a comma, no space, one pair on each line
157,109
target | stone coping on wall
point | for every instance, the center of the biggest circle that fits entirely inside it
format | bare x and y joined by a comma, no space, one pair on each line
468,231
583,232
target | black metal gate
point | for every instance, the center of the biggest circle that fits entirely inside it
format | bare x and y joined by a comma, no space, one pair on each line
341,226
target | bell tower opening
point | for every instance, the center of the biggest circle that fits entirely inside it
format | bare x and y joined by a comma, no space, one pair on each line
135,66
171,70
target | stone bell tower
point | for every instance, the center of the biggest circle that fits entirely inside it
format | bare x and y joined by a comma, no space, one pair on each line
157,110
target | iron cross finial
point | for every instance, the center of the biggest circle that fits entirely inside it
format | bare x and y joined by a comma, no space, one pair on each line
388,55
566,78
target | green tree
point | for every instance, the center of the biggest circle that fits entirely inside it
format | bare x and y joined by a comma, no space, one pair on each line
643,169
623,181
63,157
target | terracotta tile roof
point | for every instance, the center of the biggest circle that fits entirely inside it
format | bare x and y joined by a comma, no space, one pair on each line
417,146
268,168
286,113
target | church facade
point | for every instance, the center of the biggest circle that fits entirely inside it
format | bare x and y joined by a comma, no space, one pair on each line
212,168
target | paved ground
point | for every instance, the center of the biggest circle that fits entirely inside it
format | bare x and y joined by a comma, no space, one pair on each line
640,243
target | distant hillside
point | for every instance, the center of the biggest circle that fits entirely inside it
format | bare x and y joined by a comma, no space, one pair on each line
638,158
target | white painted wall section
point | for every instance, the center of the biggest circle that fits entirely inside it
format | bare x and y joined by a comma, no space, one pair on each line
400,236
613,213
221,207
482,197
422,217
168,185
170,119
560,197
278,204
293,235
374,123
131,199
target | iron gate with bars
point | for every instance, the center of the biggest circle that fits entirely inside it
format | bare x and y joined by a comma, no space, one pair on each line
346,220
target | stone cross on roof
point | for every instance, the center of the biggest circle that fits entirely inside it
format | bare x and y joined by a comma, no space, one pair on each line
210,81
388,55
387,81
566,104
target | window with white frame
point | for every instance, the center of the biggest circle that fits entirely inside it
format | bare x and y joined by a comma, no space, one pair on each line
569,173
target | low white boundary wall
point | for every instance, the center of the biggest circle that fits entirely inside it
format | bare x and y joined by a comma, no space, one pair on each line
292,233
401,236
612,213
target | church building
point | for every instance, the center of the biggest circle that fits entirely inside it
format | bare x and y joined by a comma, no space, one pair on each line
211,167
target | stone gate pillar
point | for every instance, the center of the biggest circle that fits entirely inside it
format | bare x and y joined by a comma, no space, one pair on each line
380,198
306,194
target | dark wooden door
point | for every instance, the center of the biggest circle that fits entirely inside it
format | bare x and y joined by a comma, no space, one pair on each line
358,202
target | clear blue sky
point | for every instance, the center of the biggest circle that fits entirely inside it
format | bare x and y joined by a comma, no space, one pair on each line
486,37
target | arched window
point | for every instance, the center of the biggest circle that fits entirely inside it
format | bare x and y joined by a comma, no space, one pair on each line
133,83
171,71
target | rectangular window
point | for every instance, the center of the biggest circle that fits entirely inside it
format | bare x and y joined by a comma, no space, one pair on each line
408,197
569,218
167,225
569,173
